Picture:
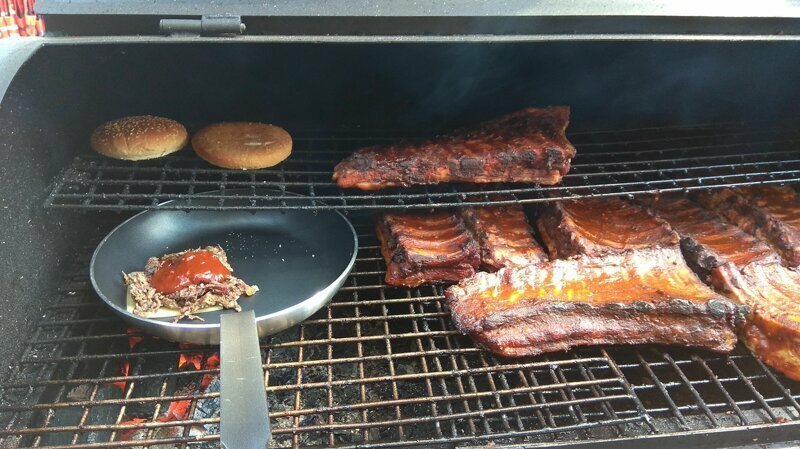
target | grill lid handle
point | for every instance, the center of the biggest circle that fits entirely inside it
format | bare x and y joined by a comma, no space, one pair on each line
244,417
205,26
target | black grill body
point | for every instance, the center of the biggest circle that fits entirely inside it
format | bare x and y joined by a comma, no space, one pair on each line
381,366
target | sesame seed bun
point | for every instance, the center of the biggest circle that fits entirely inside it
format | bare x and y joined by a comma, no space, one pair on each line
242,145
138,138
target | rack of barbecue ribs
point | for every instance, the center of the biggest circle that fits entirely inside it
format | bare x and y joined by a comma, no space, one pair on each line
504,235
625,282
769,212
425,247
596,227
526,146
746,269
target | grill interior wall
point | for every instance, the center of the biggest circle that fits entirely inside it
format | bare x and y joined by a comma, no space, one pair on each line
409,89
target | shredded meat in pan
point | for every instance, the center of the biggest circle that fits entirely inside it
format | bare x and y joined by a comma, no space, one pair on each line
191,298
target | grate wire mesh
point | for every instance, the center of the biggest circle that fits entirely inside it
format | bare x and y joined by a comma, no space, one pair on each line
607,164
378,367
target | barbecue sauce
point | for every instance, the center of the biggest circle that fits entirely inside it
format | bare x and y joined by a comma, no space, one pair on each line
193,267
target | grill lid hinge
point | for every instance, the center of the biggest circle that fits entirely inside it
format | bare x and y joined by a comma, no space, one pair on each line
205,26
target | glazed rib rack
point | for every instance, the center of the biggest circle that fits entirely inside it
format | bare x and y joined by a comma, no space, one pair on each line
613,163
380,367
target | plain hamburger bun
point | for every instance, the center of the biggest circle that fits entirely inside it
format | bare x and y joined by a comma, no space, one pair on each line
242,145
140,137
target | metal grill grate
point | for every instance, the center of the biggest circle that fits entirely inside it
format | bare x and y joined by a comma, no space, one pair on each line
608,164
379,367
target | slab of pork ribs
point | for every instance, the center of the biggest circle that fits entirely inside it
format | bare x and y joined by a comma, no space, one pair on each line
504,236
596,227
525,146
744,268
425,247
625,282
771,213
447,246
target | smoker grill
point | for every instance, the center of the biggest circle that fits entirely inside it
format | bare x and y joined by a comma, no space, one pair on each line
663,100
380,367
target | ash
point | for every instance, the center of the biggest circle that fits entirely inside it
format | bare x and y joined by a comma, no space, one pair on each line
207,408
313,397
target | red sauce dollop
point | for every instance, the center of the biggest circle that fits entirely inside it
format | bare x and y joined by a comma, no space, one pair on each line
193,267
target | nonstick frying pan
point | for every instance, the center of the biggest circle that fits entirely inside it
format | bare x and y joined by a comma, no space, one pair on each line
298,258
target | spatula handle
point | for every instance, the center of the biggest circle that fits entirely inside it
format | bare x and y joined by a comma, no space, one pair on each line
244,416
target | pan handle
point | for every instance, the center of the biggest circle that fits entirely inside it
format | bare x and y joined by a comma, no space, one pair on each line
244,416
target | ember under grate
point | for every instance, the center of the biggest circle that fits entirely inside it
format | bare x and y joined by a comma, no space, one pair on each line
379,367
608,164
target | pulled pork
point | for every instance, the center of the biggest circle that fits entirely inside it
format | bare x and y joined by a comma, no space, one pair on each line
190,299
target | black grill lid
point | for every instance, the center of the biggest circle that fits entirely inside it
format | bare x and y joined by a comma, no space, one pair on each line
446,19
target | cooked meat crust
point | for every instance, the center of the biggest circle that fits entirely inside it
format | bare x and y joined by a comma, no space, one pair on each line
771,213
190,299
745,268
625,283
525,146
421,247
504,236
